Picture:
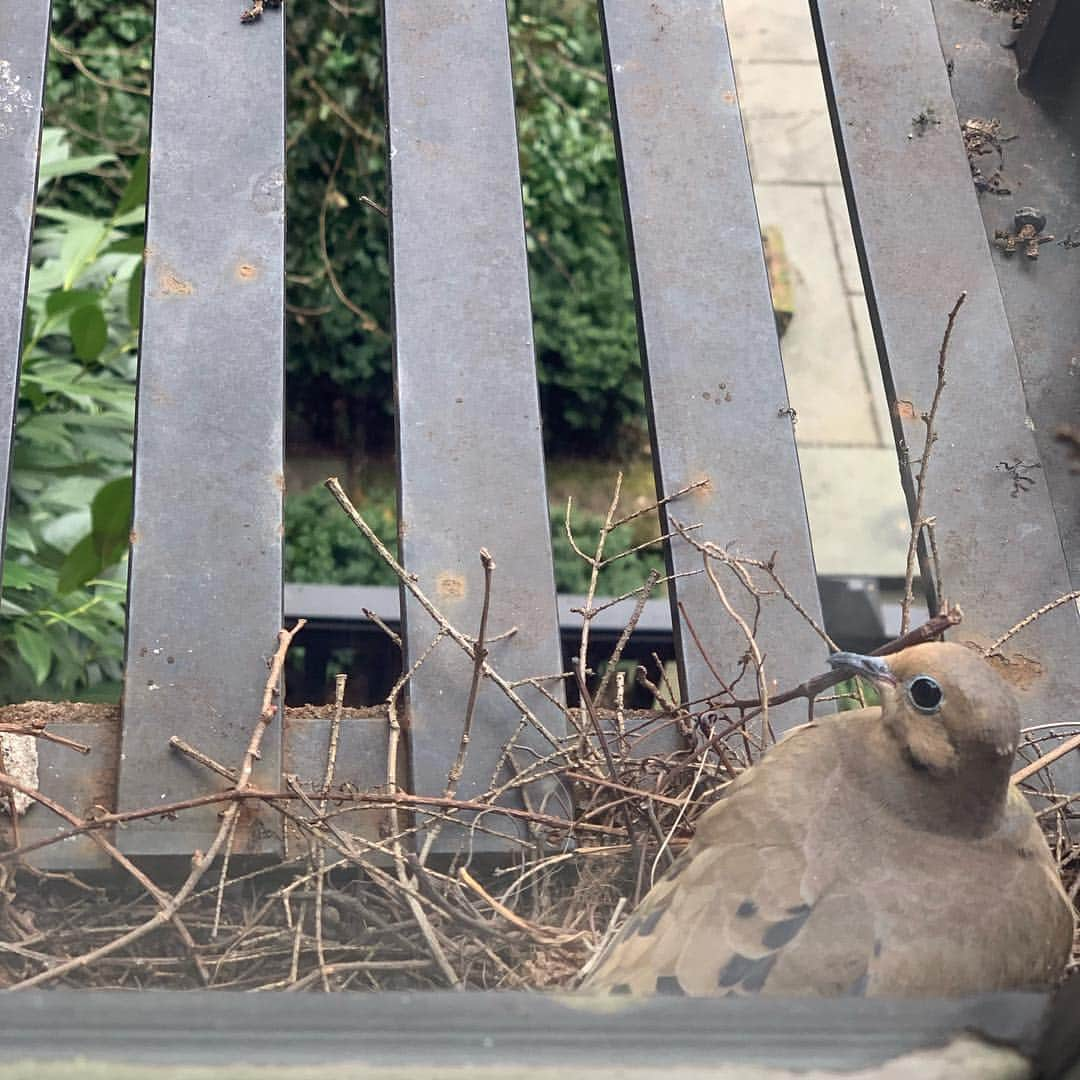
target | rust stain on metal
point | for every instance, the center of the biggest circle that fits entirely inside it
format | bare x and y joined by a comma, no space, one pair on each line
703,492
1018,670
729,97
904,409
246,272
278,479
171,284
450,586
133,537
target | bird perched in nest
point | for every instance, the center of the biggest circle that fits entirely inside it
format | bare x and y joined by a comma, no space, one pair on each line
876,852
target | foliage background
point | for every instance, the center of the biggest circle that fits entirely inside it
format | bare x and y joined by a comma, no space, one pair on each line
62,615
339,368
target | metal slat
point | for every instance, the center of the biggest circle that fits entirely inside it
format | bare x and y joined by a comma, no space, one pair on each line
1042,125
24,42
921,241
469,443
707,334
205,581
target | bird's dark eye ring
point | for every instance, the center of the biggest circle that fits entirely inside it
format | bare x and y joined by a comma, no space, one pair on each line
925,693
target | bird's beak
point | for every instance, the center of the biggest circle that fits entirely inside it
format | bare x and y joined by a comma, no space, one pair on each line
873,668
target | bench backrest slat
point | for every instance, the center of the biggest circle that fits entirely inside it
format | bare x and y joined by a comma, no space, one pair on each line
708,338
469,442
1040,297
205,581
922,242
24,32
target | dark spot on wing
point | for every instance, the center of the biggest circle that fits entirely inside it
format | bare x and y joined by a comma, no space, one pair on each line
734,970
650,921
746,909
780,933
877,947
858,987
743,971
756,979
670,985
621,989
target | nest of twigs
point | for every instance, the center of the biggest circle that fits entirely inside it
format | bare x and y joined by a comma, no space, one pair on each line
365,921
352,907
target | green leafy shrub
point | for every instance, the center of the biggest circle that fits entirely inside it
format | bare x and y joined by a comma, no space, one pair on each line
339,363
62,619
322,545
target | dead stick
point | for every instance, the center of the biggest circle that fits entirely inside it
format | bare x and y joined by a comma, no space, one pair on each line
917,522
559,824
1048,758
200,864
628,630
481,653
41,733
203,759
118,857
409,581
480,656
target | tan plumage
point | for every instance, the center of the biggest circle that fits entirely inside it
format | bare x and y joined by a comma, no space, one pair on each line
878,852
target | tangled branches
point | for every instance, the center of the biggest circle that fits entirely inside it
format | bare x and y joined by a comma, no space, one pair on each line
362,899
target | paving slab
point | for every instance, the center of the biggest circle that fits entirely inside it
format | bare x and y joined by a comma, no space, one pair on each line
771,30
858,526
864,333
787,123
827,382
840,221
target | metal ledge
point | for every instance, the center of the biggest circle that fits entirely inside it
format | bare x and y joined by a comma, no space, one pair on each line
530,1032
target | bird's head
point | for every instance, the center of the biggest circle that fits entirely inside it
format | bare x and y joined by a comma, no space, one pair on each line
949,710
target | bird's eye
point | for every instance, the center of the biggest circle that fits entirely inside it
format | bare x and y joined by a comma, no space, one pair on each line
925,693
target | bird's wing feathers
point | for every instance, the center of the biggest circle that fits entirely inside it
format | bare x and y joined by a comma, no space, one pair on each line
728,915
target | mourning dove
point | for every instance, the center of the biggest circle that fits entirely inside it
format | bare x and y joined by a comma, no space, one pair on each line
875,852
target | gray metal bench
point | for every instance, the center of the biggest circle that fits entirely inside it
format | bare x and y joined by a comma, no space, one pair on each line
205,598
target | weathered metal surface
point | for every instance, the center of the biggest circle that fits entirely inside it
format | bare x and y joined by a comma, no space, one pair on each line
921,242
504,1035
1042,129
86,785
360,763
24,40
716,386
469,445
205,584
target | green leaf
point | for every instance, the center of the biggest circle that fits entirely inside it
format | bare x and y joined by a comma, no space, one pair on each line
134,298
135,192
130,245
110,519
89,334
132,217
70,300
68,166
18,577
35,649
107,541
82,563
82,239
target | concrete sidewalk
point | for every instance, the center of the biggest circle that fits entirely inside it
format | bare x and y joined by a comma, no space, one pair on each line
858,516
